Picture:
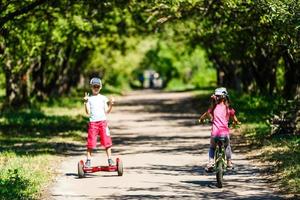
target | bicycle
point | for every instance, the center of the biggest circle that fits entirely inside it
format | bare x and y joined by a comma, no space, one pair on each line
220,160
220,165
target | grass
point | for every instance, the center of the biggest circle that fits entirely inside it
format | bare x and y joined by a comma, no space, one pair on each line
21,177
31,140
285,154
283,151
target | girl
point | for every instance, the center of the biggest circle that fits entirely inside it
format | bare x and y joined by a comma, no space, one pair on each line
220,112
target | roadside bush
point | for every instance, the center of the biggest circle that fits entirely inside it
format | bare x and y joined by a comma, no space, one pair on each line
14,185
277,135
20,179
178,85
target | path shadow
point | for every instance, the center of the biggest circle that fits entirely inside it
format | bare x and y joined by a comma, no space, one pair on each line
188,104
173,144
202,183
71,174
190,193
32,132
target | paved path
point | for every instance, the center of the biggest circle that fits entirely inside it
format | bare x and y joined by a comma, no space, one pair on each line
164,153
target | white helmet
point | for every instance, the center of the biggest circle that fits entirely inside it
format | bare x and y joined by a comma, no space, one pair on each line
221,92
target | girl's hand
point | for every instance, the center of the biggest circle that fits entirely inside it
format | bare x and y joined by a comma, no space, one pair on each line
204,121
236,123
86,97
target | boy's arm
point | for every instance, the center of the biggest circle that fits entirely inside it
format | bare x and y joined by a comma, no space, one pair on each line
86,106
110,104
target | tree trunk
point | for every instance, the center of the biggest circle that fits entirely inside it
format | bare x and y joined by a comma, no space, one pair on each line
64,76
16,88
75,72
264,66
272,80
38,77
291,76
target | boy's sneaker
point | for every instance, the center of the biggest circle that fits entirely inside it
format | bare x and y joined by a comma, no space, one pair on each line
88,163
111,162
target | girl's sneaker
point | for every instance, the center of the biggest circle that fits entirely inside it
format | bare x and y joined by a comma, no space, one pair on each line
110,162
230,165
209,167
88,163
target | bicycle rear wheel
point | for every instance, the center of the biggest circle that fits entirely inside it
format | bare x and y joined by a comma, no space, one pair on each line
219,174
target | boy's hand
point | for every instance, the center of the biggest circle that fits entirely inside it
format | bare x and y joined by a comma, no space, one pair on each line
86,97
112,100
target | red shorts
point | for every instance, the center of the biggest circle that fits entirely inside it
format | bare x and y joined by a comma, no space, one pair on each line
98,128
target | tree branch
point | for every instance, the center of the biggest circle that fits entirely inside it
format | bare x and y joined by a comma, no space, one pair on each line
23,10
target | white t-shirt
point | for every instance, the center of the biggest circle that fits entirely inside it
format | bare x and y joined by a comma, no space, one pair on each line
98,107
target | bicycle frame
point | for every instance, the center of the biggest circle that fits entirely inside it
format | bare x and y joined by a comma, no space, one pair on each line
220,152
220,160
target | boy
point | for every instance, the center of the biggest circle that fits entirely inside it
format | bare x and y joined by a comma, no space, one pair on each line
97,106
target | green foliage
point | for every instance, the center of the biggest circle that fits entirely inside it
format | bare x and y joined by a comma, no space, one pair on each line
280,75
285,152
51,130
245,40
48,48
44,51
30,122
253,108
205,74
14,185
178,85
28,139
19,179
179,65
254,111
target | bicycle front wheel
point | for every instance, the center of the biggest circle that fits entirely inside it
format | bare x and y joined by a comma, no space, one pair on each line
219,174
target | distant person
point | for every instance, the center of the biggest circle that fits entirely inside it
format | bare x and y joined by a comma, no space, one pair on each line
220,112
151,79
141,79
97,106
